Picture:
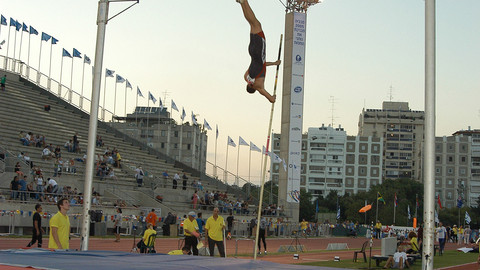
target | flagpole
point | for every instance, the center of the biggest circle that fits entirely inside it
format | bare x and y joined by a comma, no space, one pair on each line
21,42
416,205
376,211
50,68
60,85
181,139
14,47
39,60
83,79
215,166
136,113
125,106
238,159
115,99
148,115
249,162
8,46
28,54
104,91
71,82
226,164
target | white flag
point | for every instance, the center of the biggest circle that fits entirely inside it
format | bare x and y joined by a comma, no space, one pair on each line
174,106
139,92
436,217
241,141
206,125
467,218
194,120
231,142
408,211
128,84
150,96
253,147
120,79
109,73
275,158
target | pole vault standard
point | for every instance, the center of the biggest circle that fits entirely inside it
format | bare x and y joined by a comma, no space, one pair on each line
264,170
102,19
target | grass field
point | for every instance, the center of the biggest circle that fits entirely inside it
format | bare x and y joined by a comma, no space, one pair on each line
449,258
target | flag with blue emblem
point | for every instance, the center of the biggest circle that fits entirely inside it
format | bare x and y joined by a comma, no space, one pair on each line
86,59
253,147
174,106
194,119
130,86
109,73
13,22
241,141
231,142
3,20
459,202
76,53
65,53
338,213
206,125
45,36
120,79
467,218
183,114
33,31
24,27
139,92
54,40
18,26
151,97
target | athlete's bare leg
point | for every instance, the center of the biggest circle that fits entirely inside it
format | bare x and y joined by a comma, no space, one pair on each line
255,25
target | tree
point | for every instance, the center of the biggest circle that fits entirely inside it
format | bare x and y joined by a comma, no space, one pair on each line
307,209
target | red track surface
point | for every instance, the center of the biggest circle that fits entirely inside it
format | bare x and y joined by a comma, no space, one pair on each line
164,245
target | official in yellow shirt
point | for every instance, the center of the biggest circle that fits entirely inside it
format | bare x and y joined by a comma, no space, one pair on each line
142,245
214,233
190,229
59,235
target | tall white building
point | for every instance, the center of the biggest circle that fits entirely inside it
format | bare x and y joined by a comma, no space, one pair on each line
331,160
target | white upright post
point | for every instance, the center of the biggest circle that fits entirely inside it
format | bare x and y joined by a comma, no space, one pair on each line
429,148
70,91
81,93
102,18
50,67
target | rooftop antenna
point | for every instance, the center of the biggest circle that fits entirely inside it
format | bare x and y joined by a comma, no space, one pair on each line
165,95
332,109
390,94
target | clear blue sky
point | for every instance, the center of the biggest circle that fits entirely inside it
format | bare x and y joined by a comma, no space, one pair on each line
197,52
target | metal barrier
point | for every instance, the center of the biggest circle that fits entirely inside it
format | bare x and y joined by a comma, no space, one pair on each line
244,239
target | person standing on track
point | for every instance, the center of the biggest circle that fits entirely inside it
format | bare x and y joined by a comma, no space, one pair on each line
214,233
37,227
255,75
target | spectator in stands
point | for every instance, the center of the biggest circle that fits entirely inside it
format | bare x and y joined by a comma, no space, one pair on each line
40,185
118,160
3,81
72,167
184,182
176,178
199,185
58,152
30,190
46,153
14,186
68,145
76,143
195,199
53,185
99,141
22,187
139,175
58,167
111,173
152,218
18,169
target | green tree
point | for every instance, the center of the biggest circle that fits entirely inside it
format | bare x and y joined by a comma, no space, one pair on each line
307,208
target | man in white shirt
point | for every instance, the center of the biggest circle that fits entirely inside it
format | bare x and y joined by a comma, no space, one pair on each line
442,235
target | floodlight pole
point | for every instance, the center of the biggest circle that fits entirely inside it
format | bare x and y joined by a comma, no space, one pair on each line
429,148
102,19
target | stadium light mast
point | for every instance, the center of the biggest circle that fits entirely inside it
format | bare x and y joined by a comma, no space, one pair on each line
102,20
292,104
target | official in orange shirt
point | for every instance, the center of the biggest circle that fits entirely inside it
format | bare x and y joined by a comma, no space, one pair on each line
152,218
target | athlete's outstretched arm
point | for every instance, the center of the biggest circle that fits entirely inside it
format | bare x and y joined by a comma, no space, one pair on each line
276,63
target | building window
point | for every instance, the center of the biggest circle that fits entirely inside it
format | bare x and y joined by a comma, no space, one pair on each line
189,146
163,133
450,182
449,195
362,147
350,146
437,170
437,158
375,148
349,170
374,171
463,171
162,145
464,159
437,182
450,159
175,134
450,171
175,146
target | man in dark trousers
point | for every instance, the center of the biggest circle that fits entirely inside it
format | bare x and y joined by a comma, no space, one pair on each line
37,227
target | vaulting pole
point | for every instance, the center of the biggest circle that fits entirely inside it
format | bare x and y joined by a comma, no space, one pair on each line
266,154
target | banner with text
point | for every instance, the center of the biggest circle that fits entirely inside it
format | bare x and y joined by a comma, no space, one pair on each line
296,108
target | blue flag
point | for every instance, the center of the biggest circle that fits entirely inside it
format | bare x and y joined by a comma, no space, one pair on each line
86,59
54,40
45,36
25,27
3,20
13,22
206,125
139,92
129,85
33,31
150,96
216,132
174,106
109,73
459,202
467,218
66,53
120,79
316,207
76,53
18,26
338,213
